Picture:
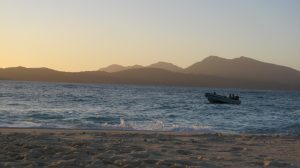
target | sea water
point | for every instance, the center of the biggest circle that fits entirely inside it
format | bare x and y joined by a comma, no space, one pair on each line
160,108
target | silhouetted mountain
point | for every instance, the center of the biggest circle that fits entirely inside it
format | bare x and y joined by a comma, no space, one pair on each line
158,65
117,68
211,72
166,66
49,75
244,68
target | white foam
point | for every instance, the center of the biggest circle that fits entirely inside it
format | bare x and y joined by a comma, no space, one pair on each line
193,128
156,125
21,124
124,125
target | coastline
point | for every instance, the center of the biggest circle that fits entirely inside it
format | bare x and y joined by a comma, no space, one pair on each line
30,147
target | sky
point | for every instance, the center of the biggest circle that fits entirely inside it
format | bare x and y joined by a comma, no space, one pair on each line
79,35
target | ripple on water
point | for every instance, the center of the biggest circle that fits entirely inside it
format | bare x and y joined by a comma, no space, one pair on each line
29,104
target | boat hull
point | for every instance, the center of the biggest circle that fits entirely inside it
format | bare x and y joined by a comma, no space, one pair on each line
214,98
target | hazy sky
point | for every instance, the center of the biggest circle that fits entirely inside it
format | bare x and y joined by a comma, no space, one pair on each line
75,35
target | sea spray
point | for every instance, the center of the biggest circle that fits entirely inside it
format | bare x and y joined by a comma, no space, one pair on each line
158,125
193,128
124,125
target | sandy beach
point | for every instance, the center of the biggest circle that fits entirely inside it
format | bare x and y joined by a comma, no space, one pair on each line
105,148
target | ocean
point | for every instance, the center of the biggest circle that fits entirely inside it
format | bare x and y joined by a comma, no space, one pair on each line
157,108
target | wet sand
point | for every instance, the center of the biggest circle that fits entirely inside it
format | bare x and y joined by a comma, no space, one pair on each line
88,148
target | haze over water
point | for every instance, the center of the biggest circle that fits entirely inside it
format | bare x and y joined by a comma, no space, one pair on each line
99,106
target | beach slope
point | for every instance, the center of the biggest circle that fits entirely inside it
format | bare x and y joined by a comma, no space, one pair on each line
104,148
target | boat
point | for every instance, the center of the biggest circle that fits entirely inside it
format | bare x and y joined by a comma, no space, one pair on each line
220,99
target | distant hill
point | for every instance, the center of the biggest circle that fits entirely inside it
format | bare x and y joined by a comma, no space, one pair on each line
117,68
159,65
166,66
244,68
211,72
49,75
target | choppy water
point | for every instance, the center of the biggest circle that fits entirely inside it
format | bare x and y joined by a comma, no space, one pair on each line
99,106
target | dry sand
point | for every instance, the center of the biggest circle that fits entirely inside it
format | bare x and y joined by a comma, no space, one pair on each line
86,148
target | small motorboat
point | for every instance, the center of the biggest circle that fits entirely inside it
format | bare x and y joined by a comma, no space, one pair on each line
215,98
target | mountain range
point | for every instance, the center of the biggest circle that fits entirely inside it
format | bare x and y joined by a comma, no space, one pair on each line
213,71
160,65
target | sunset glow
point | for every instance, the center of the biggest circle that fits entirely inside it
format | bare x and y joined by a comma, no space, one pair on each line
77,35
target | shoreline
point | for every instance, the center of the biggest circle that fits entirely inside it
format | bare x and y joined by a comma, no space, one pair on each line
191,133
43,147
